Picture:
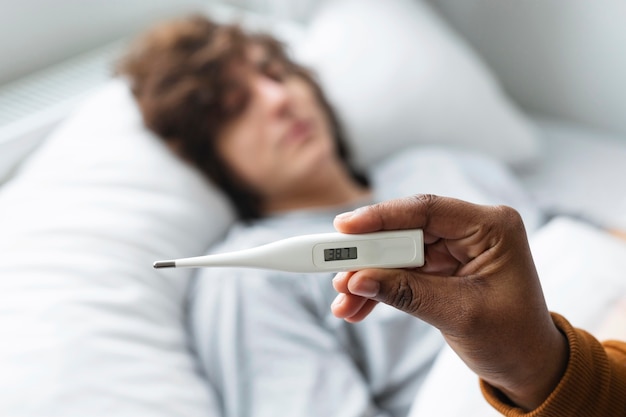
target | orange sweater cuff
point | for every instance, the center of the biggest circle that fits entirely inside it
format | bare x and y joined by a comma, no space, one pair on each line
591,386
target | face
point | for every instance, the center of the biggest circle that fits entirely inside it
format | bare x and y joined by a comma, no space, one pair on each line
282,138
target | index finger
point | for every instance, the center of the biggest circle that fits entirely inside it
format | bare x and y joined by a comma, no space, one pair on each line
443,217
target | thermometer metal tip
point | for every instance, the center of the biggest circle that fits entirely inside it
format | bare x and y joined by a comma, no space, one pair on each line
164,264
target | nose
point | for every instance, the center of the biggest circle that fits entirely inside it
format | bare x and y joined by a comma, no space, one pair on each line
273,95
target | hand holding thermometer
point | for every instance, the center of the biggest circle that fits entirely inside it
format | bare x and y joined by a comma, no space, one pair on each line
324,252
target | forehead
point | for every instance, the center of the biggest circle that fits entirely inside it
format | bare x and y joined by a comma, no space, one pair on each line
257,55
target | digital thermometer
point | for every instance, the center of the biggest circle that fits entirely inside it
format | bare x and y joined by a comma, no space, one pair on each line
324,252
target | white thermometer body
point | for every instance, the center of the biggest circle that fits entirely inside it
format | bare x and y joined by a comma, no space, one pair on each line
324,252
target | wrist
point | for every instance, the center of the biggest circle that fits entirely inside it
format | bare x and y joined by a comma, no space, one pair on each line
539,374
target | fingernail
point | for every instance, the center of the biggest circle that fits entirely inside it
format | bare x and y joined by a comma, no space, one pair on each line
344,216
365,288
338,277
339,299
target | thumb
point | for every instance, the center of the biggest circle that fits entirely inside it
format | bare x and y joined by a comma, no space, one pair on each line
432,298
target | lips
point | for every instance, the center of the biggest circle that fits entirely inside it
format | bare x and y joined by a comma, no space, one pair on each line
298,131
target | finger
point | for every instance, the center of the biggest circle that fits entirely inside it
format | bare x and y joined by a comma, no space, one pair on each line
346,306
457,230
438,260
431,298
340,281
367,308
439,216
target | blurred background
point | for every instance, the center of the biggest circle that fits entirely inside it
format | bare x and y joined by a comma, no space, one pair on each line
556,59
561,57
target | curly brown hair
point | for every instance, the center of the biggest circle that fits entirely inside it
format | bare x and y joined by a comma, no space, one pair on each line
183,75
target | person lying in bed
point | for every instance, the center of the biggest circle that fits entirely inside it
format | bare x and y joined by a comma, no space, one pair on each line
478,260
259,126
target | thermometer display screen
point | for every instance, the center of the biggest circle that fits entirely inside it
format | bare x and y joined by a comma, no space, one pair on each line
340,254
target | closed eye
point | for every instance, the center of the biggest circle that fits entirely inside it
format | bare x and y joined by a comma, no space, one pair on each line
273,69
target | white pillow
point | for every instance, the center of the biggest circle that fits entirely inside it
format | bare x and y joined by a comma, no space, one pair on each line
16,143
399,76
89,328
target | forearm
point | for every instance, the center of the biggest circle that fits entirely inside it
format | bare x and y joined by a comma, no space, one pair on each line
593,385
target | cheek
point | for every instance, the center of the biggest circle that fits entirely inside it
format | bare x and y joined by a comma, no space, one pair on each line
245,156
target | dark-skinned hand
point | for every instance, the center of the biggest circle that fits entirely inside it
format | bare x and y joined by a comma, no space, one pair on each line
478,286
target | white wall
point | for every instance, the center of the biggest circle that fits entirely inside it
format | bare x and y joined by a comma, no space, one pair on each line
298,10
36,33
564,58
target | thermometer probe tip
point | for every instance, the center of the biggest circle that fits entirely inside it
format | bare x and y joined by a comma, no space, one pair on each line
164,264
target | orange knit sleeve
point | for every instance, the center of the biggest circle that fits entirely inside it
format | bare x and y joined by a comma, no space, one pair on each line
594,383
